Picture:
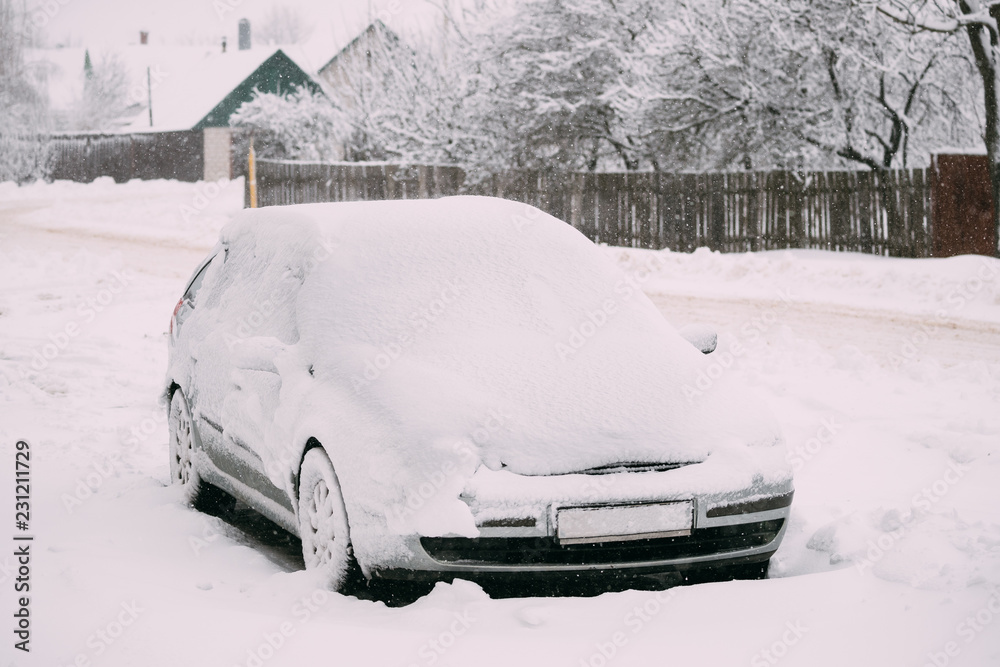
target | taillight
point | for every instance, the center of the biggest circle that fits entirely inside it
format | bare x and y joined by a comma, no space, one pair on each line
173,316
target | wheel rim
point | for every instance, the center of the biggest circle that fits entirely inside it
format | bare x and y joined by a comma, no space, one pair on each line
182,443
323,518
319,509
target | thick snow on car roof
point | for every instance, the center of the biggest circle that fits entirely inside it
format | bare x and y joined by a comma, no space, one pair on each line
491,322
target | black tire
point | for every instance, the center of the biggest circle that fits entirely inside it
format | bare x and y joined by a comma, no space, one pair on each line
198,493
323,525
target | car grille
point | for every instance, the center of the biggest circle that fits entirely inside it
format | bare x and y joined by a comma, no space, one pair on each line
547,551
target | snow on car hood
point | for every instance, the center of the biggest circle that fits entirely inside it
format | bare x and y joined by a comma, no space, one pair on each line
471,331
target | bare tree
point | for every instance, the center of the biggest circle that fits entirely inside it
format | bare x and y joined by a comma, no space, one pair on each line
104,99
978,20
403,103
800,82
24,150
552,76
693,84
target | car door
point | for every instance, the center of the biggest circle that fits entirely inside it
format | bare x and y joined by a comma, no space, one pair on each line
248,318
248,409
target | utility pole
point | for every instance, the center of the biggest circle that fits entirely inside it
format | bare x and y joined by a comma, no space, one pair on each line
149,93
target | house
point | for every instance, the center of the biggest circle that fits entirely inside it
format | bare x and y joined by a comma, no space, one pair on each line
370,58
174,120
179,101
204,98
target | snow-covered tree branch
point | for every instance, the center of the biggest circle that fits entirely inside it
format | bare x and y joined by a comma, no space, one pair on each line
302,125
24,149
978,19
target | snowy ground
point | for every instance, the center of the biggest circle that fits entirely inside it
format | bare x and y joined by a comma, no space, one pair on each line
885,374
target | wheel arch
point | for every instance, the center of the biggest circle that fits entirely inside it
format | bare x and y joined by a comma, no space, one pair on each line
168,391
311,443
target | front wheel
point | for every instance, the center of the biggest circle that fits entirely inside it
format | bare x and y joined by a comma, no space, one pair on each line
198,493
323,526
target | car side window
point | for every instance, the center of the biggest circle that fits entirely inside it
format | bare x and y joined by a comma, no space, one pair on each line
187,303
194,287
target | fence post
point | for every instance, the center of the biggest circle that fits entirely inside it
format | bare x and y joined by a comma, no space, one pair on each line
252,176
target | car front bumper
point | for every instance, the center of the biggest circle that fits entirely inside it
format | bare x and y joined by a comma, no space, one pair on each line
731,526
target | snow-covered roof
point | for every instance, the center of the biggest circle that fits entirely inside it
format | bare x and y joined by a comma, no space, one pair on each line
958,150
182,99
62,69
375,30
186,82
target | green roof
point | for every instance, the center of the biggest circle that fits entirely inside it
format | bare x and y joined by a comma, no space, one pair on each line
278,74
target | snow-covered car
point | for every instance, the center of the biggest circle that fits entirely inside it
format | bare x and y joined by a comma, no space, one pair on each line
462,387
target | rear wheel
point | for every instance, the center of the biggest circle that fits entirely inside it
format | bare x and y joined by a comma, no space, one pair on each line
323,526
198,493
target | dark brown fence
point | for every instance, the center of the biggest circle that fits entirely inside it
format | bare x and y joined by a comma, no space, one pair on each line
963,206
284,182
883,213
83,158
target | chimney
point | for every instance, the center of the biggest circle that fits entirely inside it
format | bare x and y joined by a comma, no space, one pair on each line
223,43
244,34
143,37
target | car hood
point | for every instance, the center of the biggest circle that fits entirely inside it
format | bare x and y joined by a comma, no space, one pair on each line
495,325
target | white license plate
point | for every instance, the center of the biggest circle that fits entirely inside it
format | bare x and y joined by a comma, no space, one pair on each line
618,523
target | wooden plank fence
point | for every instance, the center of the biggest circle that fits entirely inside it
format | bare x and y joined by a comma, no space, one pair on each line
886,213
282,182
85,157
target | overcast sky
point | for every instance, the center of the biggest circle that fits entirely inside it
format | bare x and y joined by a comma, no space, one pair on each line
110,23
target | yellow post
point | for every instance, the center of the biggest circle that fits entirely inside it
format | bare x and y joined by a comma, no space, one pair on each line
253,177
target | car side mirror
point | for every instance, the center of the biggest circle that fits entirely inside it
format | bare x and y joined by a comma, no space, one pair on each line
701,336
